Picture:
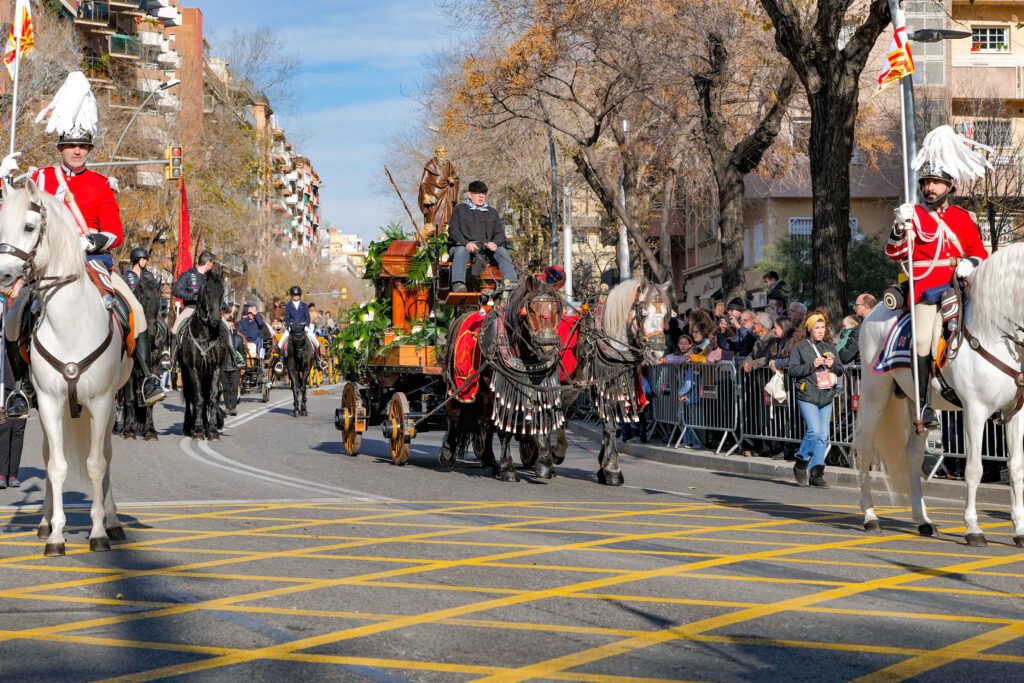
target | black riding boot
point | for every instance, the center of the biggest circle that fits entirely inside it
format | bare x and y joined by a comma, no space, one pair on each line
151,390
20,399
924,377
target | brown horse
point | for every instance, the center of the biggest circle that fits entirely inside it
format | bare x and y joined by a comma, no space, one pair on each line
518,391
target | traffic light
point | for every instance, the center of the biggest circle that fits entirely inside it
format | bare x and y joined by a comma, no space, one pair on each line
174,166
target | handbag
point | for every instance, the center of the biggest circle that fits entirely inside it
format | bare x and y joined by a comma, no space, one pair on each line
825,378
776,388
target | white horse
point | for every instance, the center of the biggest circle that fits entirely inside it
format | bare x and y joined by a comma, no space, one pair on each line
76,361
993,316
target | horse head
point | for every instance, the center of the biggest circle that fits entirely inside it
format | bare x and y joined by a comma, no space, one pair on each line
650,309
28,247
297,336
534,313
210,296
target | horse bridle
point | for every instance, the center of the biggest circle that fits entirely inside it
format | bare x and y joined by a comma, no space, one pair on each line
70,371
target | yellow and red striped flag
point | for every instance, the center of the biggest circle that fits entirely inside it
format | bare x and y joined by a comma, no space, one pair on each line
901,62
22,37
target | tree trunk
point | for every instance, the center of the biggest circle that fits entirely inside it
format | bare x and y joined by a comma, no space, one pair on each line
833,115
730,226
668,204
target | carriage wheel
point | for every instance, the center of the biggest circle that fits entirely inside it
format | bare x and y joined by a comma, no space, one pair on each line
398,428
529,451
352,418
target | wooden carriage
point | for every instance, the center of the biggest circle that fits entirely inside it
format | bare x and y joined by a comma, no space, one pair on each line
405,384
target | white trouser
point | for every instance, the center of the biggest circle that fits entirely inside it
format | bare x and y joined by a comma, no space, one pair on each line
309,333
183,315
927,325
122,288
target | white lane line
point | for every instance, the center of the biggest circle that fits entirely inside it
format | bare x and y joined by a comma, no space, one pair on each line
213,458
189,503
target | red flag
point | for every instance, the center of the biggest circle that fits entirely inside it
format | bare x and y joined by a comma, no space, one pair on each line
184,236
900,61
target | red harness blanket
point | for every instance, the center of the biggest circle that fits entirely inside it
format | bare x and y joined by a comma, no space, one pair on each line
467,358
569,333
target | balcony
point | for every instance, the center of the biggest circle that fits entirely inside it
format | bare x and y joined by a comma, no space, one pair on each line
128,6
125,47
97,71
93,14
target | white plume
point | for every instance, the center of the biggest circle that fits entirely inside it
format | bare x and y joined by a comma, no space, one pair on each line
944,150
74,106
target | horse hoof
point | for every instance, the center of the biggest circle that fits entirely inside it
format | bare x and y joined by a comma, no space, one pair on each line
558,459
610,478
976,540
43,532
53,550
304,413
873,527
295,413
926,529
543,471
99,545
151,436
213,436
1018,541
508,475
127,435
116,533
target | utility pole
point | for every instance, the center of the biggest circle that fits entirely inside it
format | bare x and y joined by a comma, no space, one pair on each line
567,240
624,272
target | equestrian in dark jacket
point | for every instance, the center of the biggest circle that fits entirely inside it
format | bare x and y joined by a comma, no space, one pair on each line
188,285
296,312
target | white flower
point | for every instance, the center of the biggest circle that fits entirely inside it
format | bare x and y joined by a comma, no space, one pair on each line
416,329
357,343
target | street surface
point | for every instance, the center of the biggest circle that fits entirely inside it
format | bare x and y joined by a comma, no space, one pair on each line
272,555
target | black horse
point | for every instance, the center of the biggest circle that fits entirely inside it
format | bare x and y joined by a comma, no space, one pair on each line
299,354
518,393
201,344
136,417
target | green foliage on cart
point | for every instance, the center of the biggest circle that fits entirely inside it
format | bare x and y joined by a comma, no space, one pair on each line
375,252
362,337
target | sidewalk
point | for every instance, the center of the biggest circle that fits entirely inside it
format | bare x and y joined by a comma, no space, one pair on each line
780,469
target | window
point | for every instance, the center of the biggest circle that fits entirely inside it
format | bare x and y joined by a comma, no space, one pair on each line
995,133
758,242
800,228
746,249
990,39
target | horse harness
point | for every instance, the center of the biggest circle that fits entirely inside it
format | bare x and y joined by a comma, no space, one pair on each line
1017,375
70,371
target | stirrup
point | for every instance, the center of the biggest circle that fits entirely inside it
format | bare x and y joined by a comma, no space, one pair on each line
152,396
16,405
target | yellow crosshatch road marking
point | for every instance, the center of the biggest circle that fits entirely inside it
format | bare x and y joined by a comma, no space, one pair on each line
607,539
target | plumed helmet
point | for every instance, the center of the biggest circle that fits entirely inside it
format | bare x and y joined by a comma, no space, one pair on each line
295,291
139,253
75,136
935,172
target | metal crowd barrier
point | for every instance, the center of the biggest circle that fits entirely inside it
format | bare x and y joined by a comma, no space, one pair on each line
730,402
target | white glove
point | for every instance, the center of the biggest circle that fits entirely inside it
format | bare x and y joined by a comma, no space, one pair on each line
965,267
114,184
86,244
906,212
9,165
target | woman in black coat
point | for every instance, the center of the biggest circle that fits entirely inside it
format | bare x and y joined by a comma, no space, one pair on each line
814,366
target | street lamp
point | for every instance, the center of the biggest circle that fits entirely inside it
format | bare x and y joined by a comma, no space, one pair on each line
160,88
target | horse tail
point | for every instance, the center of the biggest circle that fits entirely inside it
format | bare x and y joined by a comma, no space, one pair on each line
888,441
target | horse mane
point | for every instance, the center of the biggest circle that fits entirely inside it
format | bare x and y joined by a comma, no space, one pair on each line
60,254
618,306
997,288
148,294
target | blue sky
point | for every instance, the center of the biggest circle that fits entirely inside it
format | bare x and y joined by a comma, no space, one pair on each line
361,62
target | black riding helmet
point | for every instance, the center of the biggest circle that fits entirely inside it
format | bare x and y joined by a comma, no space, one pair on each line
139,253
295,291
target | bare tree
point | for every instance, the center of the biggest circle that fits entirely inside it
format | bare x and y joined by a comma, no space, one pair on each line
828,43
261,57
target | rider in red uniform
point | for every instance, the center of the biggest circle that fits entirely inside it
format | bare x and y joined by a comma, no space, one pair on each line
945,240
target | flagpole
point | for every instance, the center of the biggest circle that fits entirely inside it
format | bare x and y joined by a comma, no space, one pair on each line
18,28
909,195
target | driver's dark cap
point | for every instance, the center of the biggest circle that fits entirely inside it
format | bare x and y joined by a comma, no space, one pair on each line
477,186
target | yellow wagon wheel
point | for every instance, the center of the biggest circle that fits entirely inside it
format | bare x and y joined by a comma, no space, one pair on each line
352,420
398,428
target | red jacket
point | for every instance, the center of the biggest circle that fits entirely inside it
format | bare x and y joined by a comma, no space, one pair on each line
94,197
928,238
